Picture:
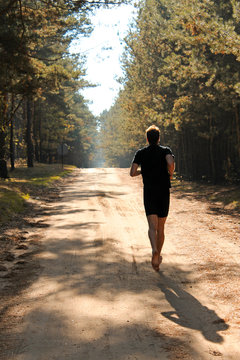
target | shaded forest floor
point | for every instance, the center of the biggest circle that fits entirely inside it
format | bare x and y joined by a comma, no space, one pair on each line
223,199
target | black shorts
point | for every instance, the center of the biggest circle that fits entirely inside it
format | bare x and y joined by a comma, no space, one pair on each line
156,201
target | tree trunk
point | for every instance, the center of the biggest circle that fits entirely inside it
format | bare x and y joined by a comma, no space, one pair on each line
30,150
237,128
49,156
11,145
211,138
3,133
35,131
40,135
3,126
184,151
2,143
177,160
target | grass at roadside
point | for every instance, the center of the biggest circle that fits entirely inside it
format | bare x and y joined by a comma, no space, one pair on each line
26,182
225,196
11,202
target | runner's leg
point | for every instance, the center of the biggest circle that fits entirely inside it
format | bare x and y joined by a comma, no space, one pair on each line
152,233
160,235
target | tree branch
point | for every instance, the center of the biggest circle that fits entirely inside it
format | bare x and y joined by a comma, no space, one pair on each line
8,7
43,59
13,112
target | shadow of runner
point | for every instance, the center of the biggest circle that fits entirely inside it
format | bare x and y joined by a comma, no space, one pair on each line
189,312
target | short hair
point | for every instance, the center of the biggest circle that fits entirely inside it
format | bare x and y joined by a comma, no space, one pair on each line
153,134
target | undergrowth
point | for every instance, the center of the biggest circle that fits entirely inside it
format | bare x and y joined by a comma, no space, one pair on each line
226,196
25,182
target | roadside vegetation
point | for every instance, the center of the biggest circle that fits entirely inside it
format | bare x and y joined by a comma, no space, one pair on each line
25,183
222,198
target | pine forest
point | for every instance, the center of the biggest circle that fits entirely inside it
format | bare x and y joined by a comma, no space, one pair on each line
180,72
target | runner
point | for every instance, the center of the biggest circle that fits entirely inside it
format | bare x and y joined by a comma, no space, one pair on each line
157,167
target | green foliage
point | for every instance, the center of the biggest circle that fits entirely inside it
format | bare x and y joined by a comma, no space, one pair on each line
181,67
114,143
82,132
40,80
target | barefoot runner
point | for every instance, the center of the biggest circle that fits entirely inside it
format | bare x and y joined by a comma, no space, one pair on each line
157,167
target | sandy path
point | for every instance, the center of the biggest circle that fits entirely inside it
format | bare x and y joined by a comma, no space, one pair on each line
97,296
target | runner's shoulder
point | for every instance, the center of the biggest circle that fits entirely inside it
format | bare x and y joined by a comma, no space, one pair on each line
142,150
166,150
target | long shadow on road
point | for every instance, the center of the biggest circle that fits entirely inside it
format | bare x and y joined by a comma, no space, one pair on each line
189,312
105,281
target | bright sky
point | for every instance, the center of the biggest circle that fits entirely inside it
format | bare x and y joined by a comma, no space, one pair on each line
103,50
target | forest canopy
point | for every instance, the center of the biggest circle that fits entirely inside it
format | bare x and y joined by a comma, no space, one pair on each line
40,104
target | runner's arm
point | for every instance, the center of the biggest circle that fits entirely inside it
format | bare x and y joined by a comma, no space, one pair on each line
170,165
134,170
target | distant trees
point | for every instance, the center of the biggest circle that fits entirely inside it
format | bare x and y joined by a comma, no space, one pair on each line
181,67
113,141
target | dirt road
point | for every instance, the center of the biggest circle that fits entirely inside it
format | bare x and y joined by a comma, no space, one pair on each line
97,296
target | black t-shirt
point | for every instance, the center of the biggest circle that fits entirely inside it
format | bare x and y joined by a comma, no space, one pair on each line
153,163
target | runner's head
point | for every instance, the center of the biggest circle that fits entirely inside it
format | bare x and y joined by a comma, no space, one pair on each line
153,134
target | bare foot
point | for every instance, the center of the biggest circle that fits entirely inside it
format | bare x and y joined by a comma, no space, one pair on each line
155,261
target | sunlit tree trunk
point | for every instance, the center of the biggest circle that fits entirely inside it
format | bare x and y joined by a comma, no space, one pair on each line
30,150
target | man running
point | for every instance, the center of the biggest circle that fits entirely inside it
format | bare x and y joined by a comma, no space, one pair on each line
157,167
